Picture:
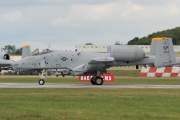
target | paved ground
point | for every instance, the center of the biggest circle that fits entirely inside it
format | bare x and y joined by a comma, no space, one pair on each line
35,85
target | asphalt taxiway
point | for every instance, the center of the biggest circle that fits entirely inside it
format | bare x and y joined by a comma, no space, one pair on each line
52,85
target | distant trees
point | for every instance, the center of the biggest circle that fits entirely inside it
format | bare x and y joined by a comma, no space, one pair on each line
133,41
11,49
18,51
146,40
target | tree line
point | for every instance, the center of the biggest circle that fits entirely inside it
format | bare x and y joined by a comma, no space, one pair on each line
12,50
146,40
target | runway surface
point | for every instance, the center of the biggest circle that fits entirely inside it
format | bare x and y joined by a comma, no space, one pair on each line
53,85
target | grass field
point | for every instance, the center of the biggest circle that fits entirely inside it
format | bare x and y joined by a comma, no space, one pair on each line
89,103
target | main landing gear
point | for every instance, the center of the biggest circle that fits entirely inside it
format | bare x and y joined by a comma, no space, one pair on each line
43,77
97,80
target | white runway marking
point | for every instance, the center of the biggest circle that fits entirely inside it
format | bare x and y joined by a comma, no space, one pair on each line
53,85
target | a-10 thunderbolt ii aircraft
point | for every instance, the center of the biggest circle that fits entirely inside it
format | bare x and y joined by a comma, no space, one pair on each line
86,63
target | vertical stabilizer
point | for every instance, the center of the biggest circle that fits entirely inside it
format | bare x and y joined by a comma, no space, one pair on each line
162,49
26,50
153,47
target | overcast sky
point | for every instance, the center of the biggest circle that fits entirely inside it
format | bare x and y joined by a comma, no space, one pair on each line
69,22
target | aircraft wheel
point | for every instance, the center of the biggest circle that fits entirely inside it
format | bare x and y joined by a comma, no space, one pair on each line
99,80
93,80
41,82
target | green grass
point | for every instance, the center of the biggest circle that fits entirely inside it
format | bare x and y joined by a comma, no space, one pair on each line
89,104
132,73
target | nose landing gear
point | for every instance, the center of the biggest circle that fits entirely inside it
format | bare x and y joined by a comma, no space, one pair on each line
43,77
41,82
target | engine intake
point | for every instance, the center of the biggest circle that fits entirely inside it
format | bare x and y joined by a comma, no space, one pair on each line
6,57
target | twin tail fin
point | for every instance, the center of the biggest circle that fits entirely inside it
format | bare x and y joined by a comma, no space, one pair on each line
163,50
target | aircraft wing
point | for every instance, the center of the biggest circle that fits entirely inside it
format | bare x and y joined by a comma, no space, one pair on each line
97,63
101,60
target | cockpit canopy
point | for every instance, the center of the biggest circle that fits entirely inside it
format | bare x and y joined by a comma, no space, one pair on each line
40,52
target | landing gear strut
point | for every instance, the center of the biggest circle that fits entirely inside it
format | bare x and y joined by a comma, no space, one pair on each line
43,77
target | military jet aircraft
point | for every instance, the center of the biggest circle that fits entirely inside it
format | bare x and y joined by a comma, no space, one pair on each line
5,60
95,64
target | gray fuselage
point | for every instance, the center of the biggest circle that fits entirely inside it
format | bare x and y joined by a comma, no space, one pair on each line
71,59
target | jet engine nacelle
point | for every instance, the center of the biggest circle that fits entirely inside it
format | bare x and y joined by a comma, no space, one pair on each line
4,56
126,53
